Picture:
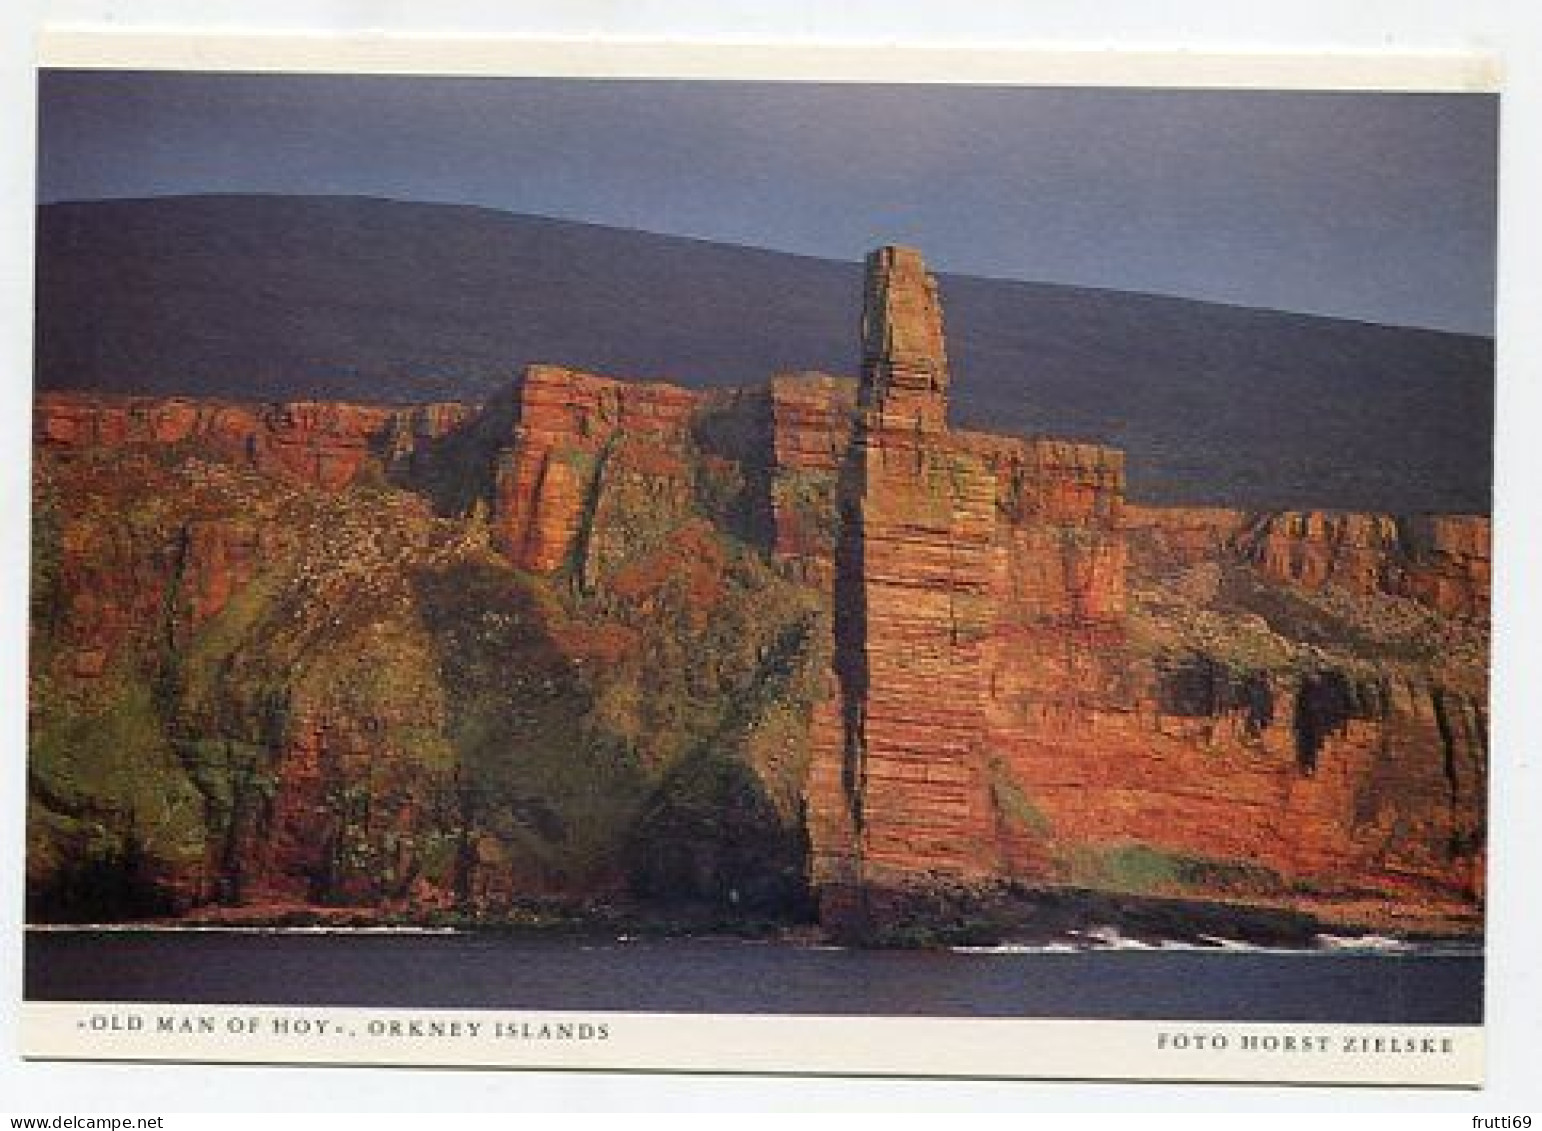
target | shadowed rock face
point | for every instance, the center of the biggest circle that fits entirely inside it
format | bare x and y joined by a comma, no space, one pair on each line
739,646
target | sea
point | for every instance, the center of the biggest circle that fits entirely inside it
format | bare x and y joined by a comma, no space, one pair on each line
1100,975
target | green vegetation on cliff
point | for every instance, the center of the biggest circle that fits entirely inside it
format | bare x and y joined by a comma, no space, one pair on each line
343,698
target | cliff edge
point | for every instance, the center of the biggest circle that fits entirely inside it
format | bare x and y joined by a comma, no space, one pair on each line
788,650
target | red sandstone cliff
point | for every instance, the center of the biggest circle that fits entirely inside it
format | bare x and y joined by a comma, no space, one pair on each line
1028,680
1265,709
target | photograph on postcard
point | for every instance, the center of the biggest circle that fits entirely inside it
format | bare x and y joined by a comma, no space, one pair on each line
706,547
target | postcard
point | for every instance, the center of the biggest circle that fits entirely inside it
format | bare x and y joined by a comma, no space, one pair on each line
776,571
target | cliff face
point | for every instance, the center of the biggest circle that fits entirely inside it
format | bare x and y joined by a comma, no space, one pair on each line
321,444
411,674
1039,684
598,638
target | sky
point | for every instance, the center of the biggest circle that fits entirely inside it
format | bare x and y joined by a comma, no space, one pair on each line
1376,207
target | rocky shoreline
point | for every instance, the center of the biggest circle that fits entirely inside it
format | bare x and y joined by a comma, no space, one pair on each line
1062,918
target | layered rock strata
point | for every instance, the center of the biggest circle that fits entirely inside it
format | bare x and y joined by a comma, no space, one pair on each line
941,661
1005,715
903,791
324,444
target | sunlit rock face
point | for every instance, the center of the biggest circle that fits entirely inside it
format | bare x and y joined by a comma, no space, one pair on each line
798,648
1038,684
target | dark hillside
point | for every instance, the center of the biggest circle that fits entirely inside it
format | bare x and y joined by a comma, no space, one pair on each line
289,297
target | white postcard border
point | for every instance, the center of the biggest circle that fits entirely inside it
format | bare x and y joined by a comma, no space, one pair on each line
1052,1049
1432,71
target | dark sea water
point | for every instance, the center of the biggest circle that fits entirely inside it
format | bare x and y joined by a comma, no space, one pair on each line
499,971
